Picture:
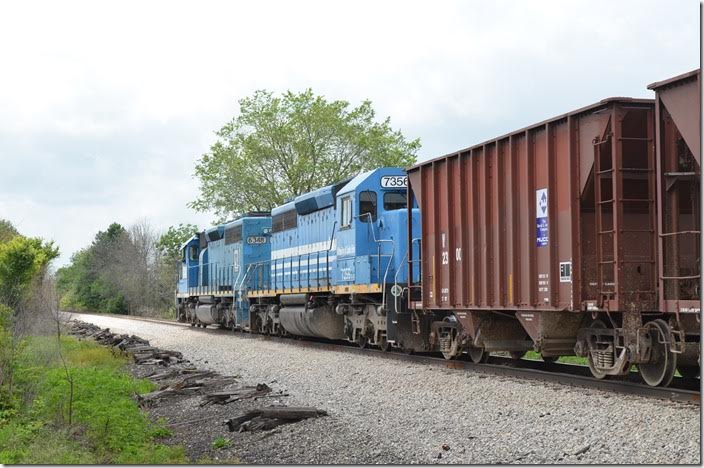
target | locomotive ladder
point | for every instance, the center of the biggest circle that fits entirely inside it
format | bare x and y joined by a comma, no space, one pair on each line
609,205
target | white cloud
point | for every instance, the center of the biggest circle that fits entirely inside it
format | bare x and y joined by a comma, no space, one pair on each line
106,106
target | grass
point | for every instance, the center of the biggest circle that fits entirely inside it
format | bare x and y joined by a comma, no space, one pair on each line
581,361
221,443
107,426
563,359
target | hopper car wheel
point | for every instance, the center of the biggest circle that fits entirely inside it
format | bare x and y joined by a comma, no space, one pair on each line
362,341
193,324
549,359
516,355
478,355
596,373
689,372
384,345
661,368
407,351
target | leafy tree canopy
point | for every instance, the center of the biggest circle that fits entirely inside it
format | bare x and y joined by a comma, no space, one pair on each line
281,146
88,283
169,243
7,230
21,260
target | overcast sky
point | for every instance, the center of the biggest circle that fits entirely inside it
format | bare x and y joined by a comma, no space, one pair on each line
106,106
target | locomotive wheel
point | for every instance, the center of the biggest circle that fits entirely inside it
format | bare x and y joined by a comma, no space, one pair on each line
516,355
661,368
478,355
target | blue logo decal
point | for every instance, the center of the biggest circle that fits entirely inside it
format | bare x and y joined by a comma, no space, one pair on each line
541,217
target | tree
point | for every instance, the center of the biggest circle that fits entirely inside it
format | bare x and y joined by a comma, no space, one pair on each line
7,231
170,242
21,260
90,281
23,266
131,270
280,147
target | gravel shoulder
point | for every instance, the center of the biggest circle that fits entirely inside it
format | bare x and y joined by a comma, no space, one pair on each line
387,411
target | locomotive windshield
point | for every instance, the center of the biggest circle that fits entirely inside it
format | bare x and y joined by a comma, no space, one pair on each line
394,201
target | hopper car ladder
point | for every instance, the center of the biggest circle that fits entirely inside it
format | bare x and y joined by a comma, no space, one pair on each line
611,223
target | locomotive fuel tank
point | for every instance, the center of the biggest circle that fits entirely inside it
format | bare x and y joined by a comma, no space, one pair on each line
207,313
299,317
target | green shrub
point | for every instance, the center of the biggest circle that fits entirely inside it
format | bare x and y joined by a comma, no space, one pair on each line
221,443
107,425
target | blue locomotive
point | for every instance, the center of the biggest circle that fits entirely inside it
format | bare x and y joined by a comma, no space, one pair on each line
332,263
215,271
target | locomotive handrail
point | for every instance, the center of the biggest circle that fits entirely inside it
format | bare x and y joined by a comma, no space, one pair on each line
396,280
388,265
379,254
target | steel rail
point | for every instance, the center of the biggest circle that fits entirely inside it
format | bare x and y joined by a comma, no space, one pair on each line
682,389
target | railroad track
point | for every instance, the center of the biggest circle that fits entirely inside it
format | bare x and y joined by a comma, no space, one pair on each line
682,389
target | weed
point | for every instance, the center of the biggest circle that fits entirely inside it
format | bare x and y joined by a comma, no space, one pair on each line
221,443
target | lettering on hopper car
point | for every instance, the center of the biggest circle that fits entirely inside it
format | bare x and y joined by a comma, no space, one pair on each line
543,282
444,294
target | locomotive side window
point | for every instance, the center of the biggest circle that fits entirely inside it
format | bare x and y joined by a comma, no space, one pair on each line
193,252
394,201
346,212
367,204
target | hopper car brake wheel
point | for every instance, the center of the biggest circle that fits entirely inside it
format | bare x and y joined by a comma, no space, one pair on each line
663,362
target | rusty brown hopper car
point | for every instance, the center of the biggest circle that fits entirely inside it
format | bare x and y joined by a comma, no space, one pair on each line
548,238
678,153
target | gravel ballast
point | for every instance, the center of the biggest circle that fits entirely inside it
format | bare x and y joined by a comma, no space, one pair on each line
388,411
